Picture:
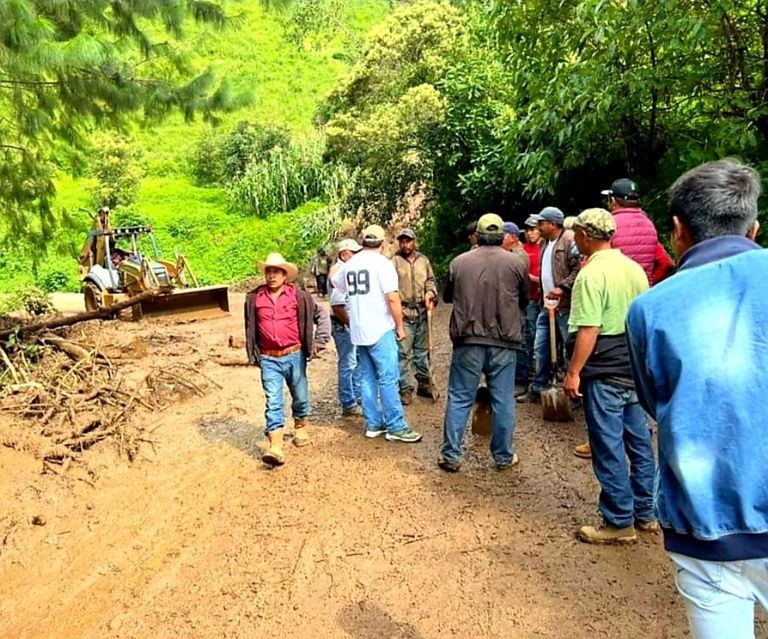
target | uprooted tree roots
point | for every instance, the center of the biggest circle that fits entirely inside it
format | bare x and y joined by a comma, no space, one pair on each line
66,396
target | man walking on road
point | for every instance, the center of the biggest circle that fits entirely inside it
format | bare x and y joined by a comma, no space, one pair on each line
319,267
418,293
698,345
348,371
376,324
279,339
559,267
599,367
488,287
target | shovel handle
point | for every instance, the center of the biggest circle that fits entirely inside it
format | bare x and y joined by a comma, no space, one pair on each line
552,337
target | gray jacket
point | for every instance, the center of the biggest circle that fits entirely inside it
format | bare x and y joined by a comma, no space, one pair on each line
488,288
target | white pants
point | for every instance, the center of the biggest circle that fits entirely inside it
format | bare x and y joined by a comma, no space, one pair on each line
721,595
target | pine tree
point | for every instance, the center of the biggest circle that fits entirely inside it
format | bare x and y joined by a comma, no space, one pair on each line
70,66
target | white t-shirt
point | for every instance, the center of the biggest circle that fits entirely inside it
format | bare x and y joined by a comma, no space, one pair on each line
365,280
547,272
337,298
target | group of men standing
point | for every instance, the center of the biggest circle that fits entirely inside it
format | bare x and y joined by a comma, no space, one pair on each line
691,353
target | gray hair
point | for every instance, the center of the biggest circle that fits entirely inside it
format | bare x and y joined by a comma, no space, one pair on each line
716,198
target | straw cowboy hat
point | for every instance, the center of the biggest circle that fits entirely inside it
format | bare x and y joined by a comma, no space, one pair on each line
277,261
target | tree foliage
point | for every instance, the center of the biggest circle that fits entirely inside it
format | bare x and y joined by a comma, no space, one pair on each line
536,102
383,117
68,67
118,169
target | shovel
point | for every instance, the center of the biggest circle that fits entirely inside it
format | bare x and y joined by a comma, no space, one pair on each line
482,413
432,385
555,406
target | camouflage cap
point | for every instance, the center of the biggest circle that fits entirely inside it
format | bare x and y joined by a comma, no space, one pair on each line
596,223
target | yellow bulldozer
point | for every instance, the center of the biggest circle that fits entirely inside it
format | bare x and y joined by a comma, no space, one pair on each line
110,274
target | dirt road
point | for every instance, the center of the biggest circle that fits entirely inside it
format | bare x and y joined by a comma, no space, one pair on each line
351,538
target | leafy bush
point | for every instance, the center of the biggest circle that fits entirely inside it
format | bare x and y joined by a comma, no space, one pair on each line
30,299
58,279
118,169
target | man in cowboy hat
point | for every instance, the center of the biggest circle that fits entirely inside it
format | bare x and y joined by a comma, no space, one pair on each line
279,339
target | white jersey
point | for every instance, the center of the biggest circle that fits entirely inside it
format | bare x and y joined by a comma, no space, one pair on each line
337,297
365,280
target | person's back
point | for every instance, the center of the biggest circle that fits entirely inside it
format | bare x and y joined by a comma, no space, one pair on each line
698,346
713,421
636,234
636,237
367,277
488,287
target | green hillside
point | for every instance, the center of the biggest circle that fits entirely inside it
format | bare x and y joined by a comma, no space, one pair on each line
286,84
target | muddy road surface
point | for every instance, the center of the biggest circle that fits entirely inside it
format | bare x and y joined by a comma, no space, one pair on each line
352,538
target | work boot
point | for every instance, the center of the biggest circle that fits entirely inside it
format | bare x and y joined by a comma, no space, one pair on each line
448,466
607,534
502,466
520,390
352,411
274,455
583,450
300,433
424,389
650,526
406,397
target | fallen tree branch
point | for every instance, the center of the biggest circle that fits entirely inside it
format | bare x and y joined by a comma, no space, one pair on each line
58,322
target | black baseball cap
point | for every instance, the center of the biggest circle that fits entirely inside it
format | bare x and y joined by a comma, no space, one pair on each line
623,189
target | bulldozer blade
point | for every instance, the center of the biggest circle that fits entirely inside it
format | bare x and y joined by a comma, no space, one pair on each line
482,413
555,406
203,302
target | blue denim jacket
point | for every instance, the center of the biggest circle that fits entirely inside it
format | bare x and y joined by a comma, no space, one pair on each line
699,353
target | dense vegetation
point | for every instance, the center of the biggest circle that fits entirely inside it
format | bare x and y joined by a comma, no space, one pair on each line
257,52
461,107
512,105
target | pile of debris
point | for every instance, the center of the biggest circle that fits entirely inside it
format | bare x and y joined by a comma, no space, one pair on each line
62,396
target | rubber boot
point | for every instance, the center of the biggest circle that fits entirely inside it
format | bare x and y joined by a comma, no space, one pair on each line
274,455
301,433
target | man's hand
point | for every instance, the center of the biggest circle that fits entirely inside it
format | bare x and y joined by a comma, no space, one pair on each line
316,350
400,333
571,385
555,294
429,301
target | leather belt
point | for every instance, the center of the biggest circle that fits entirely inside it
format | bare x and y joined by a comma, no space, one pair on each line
283,352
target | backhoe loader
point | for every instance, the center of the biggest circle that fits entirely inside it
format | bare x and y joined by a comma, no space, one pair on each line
111,274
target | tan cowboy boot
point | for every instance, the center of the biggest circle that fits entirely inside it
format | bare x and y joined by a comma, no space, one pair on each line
274,455
301,433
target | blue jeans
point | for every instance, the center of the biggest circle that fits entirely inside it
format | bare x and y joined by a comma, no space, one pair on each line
467,366
525,358
347,369
721,595
414,349
541,346
618,429
289,369
379,375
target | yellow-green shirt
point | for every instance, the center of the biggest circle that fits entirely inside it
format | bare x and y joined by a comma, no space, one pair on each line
603,291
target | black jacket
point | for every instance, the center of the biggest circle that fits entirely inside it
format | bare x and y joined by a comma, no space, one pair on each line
488,288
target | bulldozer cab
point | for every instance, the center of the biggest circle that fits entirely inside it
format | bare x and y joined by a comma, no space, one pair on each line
110,273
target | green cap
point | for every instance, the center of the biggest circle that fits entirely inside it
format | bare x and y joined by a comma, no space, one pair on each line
490,223
596,223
